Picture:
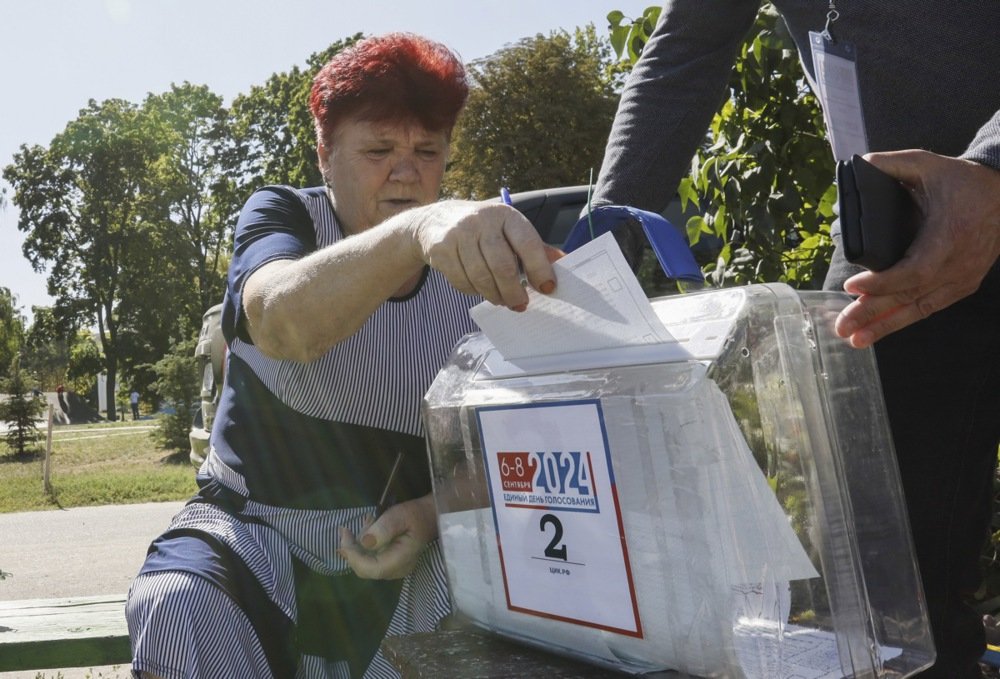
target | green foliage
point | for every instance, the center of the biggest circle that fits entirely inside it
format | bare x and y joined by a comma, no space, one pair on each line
85,362
194,218
272,136
82,203
182,267
11,328
46,349
764,179
989,588
628,36
20,410
177,384
130,210
120,209
538,115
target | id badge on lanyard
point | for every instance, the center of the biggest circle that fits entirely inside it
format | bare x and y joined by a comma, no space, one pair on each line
835,66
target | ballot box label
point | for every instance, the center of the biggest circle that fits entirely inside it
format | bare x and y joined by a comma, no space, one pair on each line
563,549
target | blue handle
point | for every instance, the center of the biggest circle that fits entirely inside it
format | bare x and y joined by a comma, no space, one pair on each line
670,247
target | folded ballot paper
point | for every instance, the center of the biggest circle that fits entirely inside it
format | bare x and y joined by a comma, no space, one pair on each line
599,495
597,304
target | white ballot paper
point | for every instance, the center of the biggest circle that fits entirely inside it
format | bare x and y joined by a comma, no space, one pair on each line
597,304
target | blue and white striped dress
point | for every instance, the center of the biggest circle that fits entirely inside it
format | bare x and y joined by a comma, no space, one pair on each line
183,625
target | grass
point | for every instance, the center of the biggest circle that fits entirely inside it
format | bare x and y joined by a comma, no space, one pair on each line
97,464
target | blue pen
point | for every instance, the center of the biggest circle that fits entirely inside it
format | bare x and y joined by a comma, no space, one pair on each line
505,195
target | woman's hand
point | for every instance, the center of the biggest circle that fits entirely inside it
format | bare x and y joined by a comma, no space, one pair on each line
390,546
482,249
957,243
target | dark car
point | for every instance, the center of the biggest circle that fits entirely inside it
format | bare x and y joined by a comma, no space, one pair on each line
553,212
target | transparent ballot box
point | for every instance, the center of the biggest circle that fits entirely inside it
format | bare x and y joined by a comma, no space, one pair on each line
725,504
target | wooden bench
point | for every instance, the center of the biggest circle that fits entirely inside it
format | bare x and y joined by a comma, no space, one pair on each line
53,633
465,651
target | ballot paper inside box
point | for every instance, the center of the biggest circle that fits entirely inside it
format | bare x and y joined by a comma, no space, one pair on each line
724,503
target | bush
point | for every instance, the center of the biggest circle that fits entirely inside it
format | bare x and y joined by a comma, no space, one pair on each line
764,179
177,384
20,411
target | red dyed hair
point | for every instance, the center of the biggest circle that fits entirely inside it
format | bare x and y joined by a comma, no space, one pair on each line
395,78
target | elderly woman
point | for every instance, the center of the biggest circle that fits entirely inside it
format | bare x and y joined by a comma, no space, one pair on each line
342,303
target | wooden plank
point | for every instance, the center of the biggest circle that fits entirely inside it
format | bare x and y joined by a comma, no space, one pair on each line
470,652
53,633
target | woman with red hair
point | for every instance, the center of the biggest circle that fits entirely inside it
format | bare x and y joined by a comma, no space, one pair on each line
342,303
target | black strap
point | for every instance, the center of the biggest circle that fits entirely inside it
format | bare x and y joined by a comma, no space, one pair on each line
195,551
340,617
343,617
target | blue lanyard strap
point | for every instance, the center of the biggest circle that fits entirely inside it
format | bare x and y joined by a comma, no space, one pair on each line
670,247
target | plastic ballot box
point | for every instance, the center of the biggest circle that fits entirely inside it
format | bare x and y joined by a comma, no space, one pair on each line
721,499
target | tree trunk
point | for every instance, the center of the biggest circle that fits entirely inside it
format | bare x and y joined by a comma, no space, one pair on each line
109,390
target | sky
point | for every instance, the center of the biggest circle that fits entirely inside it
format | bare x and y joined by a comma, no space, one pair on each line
56,55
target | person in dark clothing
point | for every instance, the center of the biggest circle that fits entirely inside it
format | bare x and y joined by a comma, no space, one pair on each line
927,87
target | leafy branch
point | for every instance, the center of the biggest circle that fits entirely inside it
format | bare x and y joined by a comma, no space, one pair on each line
763,179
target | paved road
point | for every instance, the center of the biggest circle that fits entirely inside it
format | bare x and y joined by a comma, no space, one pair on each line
77,552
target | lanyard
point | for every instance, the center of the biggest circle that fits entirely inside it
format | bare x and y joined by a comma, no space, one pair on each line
831,16
835,68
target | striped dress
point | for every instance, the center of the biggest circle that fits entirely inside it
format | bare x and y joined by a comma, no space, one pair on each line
287,435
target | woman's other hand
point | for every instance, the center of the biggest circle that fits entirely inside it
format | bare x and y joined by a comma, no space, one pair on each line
389,548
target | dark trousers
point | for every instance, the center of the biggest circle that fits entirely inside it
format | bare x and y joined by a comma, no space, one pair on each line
941,380
135,411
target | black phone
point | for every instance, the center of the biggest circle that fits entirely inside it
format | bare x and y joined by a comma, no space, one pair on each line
878,215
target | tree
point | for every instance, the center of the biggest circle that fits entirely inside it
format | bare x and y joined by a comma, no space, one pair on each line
11,327
273,138
177,383
188,175
181,270
82,204
46,349
538,116
764,178
85,363
22,407
131,208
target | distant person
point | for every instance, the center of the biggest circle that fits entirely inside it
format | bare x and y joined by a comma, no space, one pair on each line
133,400
343,302
929,97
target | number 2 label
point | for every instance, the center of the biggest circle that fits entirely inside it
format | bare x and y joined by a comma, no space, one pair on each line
554,550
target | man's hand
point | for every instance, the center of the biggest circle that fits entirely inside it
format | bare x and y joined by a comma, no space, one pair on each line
957,243
390,546
481,248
